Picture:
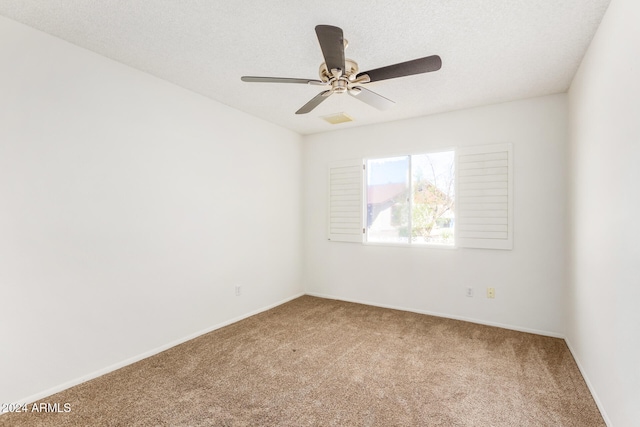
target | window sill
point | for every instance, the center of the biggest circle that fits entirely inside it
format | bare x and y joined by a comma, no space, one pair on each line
408,245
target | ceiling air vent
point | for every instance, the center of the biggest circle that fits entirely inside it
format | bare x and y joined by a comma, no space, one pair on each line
338,118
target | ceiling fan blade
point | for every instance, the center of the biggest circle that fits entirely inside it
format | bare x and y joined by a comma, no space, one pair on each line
372,98
416,66
332,44
255,79
315,101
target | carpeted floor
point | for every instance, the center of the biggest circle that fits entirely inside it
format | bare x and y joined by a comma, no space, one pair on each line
318,362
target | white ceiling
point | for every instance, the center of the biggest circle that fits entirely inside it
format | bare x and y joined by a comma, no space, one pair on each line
492,50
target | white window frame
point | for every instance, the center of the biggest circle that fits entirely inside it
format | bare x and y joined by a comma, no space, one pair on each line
409,225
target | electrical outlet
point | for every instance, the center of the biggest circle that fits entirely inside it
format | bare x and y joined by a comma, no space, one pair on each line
491,292
238,290
469,291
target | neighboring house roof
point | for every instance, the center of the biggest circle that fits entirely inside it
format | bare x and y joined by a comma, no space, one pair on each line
382,193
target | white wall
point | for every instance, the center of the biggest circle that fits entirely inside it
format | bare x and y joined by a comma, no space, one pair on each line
129,209
529,280
603,327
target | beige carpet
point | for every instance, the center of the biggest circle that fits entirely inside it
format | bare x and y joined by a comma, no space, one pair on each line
317,362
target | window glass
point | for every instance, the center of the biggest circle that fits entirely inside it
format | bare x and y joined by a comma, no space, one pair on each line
388,200
410,199
432,193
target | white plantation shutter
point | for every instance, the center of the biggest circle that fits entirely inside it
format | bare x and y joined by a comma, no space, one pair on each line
345,201
484,208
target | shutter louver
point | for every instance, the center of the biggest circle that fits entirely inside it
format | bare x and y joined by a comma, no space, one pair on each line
345,201
484,209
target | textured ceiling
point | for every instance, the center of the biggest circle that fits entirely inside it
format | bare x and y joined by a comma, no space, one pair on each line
492,50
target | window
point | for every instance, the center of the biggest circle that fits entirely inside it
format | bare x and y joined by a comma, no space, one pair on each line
411,199
462,197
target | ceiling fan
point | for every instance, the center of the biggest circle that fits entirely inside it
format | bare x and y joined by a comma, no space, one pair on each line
341,74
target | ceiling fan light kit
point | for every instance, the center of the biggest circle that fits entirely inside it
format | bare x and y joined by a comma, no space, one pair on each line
341,74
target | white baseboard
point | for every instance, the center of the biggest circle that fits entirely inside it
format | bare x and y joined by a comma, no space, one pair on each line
607,421
134,359
437,314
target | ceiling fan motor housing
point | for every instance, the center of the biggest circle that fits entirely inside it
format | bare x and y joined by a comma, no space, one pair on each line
350,71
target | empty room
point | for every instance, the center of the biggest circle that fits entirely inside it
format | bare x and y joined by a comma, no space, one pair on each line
418,213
